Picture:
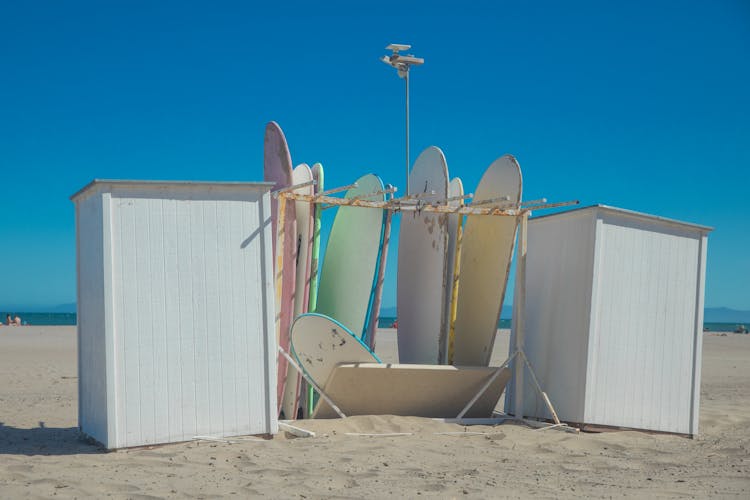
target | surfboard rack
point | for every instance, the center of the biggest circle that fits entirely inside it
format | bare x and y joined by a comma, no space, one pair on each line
411,203
499,200
288,189
534,202
414,203
388,190
454,198
339,189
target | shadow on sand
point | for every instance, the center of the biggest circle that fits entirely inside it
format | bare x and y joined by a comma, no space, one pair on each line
44,440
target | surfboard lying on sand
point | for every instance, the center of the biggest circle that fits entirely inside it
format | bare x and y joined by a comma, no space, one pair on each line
277,168
348,274
422,247
303,241
486,253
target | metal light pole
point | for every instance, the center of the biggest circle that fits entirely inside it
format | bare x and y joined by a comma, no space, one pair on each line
402,63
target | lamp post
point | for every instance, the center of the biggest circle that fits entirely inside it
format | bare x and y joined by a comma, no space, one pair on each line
402,63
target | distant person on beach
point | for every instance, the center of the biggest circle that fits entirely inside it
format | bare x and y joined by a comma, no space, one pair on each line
8,320
17,320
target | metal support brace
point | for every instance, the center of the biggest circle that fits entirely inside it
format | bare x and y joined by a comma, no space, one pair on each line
288,189
312,383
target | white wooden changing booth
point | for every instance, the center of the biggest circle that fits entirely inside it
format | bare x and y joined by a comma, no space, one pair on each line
175,311
614,318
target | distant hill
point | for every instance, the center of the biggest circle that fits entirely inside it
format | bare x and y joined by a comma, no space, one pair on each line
725,315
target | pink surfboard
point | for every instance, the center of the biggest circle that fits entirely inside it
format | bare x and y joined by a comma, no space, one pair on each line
277,168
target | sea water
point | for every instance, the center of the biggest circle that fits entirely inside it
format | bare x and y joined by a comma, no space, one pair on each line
37,318
387,322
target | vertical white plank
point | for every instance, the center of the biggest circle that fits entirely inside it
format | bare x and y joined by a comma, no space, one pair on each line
172,329
120,320
262,218
158,322
592,348
240,313
214,364
95,376
200,321
648,315
698,335
82,347
186,319
629,377
143,272
109,328
227,340
128,317
254,353
656,415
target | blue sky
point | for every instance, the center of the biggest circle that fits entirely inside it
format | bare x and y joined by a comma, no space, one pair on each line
641,105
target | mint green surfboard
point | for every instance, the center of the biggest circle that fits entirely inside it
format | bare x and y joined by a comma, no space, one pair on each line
317,171
348,274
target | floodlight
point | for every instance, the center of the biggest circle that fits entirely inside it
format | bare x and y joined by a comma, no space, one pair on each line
402,63
409,59
397,47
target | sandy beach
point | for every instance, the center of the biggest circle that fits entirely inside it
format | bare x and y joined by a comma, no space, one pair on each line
42,455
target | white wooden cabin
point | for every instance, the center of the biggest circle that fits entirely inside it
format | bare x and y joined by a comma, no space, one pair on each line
614,318
175,311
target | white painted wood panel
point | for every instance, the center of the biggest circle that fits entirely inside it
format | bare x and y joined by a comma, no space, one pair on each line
614,318
643,352
556,304
192,311
92,401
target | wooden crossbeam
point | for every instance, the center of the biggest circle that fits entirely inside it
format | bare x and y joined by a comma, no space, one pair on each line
395,205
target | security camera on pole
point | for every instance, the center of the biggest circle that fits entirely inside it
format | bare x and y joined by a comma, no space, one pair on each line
402,63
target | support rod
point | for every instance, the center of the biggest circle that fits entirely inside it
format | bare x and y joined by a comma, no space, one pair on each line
406,78
311,382
287,189
519,311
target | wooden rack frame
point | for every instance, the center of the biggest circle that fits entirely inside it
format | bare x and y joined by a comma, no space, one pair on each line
414,203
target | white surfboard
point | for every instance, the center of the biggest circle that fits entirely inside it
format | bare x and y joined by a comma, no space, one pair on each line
422,247
348,275
486,254
304,216
455,189
320,343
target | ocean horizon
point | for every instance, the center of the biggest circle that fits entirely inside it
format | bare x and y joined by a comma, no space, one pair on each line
69,319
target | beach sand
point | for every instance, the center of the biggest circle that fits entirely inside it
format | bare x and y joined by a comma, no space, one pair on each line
41,454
